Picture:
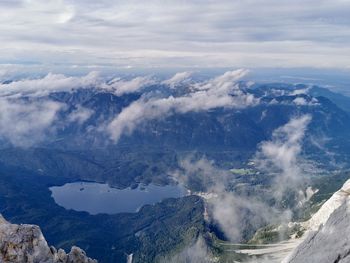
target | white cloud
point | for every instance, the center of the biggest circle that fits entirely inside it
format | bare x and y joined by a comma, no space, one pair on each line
80,115
178,79
26,123
300,101
48,84
234,213
218,92
300,91
281,158
59,82
119,86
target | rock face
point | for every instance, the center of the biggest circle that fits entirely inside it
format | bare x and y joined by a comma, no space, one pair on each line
330,243
26,244
322,215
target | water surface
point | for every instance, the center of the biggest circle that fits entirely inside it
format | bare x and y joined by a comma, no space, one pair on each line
96,198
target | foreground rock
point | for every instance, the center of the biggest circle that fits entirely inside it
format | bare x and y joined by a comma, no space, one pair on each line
26,244
331,241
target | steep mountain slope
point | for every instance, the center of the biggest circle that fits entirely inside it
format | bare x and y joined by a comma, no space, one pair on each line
341,100
329,231
326,210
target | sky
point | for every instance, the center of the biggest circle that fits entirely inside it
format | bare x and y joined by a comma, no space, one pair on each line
155,34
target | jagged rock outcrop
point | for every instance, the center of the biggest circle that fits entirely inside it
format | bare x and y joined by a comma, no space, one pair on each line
26,244
330,243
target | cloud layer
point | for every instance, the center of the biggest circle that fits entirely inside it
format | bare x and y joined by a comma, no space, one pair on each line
221,91
22,101
61,83
253,33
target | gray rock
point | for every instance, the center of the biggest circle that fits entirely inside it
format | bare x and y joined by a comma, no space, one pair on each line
330,243
26,244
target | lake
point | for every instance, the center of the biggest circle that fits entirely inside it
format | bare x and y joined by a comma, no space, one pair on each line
96,198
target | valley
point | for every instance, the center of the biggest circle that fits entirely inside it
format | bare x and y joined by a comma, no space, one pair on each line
163,186
211,131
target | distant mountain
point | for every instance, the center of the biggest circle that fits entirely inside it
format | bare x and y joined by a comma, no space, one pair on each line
340,100
81,148
221,128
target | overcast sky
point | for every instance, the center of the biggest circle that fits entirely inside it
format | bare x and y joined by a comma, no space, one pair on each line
177,33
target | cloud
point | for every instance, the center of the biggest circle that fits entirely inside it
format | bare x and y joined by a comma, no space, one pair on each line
238,213
174,34
48,84
280,156
300,101
80,115
300,91
61,83
26,123
196,253
120,87
221,91
178,79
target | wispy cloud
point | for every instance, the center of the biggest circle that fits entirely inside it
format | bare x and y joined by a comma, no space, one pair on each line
80,115
48,84
221,91
178,78
280,156
27,123
120,86
236,214
278,159
196,253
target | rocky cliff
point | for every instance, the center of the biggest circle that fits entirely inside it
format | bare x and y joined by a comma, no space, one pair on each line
330,242
26,244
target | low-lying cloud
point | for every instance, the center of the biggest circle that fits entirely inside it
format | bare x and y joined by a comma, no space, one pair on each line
120,86
234,213
280,156
61,83
80,115
196,253
222,91
178,78
48,84
26,123
278,159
